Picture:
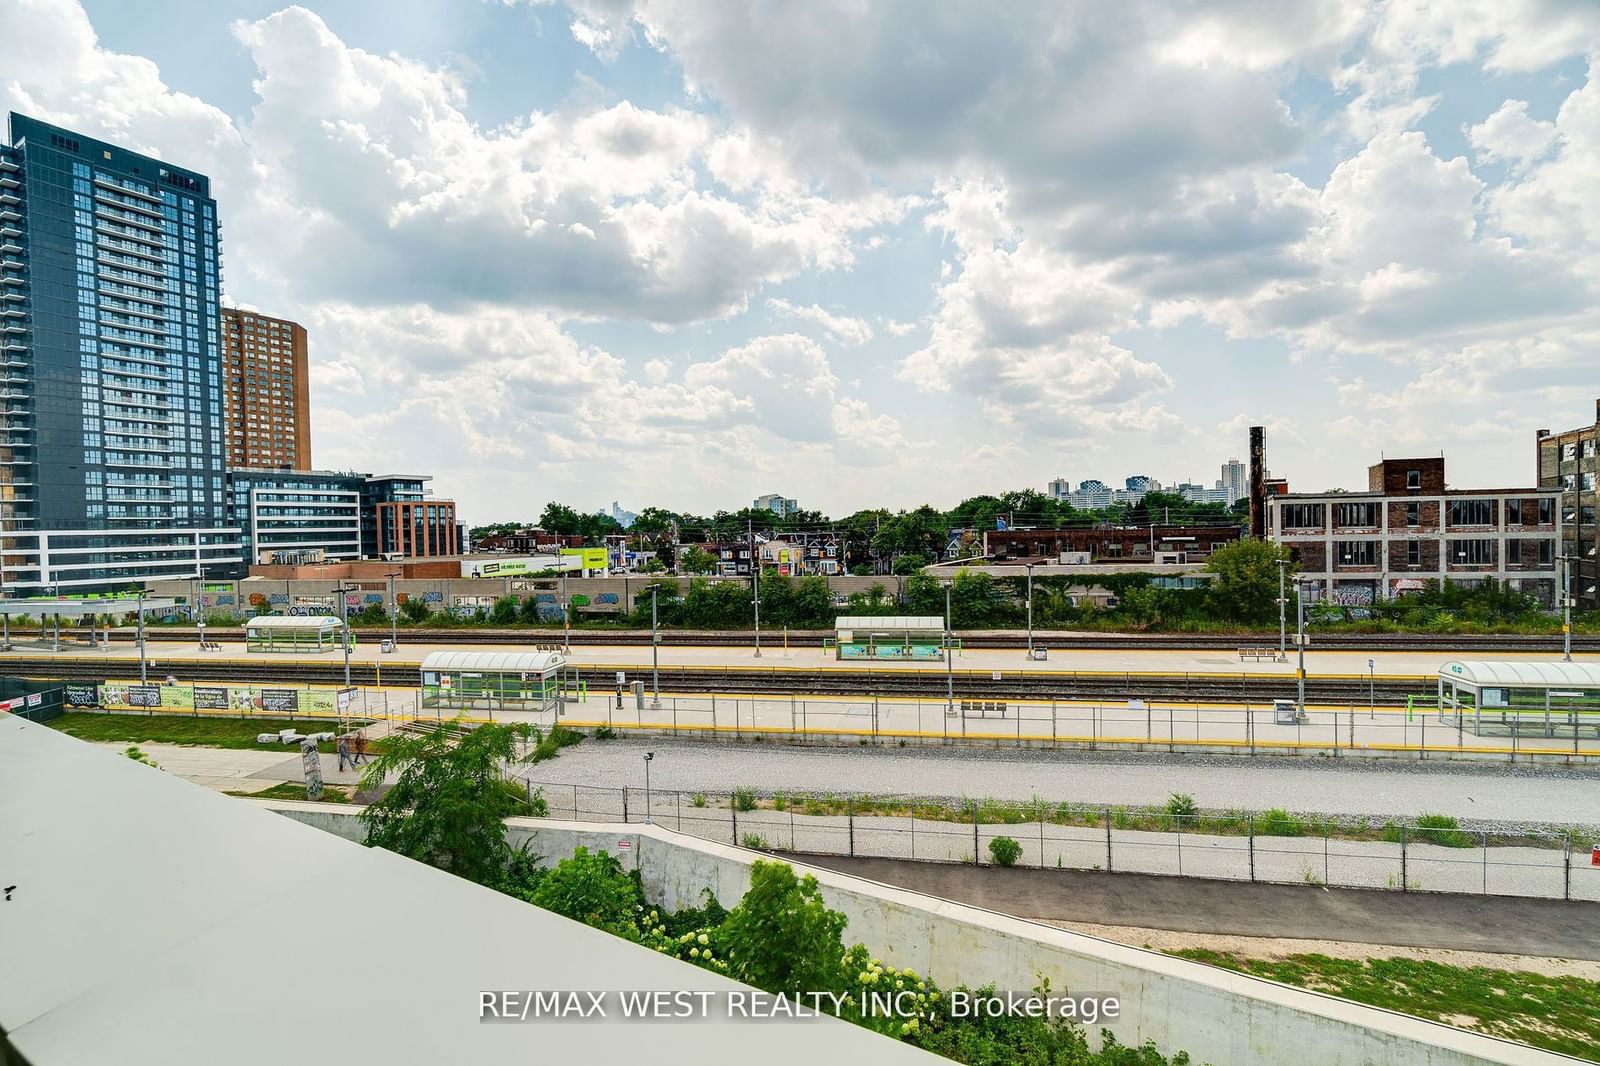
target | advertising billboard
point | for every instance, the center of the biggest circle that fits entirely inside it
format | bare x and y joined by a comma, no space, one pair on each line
589,558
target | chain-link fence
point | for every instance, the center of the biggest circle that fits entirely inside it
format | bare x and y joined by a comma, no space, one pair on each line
1165,725
1274,847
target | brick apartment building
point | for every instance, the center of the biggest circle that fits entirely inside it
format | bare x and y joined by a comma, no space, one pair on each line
1570,462
266,401
1409,527
529,541
1142,544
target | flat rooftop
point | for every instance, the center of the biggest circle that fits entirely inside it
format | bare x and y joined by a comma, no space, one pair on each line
156,922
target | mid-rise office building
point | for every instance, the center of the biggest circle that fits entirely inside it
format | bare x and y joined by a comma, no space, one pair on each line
266,404
111,447
290,517
1409,528
778,505
1570,462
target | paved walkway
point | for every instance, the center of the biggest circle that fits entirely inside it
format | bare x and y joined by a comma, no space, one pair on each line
237,769
1504,925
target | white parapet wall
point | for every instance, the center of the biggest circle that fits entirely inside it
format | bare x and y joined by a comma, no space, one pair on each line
1217,1016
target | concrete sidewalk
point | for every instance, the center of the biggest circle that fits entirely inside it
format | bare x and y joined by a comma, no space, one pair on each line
238,769
1497,924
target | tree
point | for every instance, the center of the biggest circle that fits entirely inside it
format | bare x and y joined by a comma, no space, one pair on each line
782,937
697,561
449,799
415,610
1245,588
560,519
504,612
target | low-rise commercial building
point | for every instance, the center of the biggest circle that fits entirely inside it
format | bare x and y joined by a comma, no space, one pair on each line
1409,527
1099,544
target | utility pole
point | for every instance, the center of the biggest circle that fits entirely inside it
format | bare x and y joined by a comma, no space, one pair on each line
1566,608
1300,640
566,615
1283,603
344,617
143,678
949,662
755,584
655,649
1030,611
394,610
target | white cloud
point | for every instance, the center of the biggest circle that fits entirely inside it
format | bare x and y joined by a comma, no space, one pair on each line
841,328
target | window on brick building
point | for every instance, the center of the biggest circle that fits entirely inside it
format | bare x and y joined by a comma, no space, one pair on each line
1471,512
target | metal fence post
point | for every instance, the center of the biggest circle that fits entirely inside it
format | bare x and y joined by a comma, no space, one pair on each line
733,809
624,803
1250,838
1566,866
1108,839
677,804
1404,887
1483,842
850,821
975,860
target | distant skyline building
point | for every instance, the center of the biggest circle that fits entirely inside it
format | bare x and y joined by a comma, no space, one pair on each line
1059,489
266,398
1235,480
623,518
778,505
111,452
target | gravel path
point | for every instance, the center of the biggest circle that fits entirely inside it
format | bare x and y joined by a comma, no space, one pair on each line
1501,794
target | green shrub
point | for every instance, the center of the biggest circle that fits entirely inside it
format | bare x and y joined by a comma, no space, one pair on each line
744,799
1004,851
1182,805
780,802
605,732
592,888
756,841
1279,823
1440,829
698,799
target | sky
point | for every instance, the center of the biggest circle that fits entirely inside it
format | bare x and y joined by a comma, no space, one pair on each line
682,254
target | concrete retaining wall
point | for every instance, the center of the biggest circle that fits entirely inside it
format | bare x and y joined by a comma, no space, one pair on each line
1217,1017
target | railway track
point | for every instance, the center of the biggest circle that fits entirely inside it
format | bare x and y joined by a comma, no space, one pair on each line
1206,688
1462,643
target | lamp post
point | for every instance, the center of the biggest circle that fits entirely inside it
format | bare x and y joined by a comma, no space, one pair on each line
647,757
394,609
949,663
1030,610
655,650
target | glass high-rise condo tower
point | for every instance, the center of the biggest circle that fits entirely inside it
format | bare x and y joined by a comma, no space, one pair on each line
111,448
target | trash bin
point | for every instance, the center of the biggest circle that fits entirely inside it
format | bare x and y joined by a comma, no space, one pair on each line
1039,655
386,647
1284,712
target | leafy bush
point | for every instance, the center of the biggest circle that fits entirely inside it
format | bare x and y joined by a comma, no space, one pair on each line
698,799
744,799
1004,851
1182,805
756,841
605,732
1279,823
550,745
782,937
1440,829
592,888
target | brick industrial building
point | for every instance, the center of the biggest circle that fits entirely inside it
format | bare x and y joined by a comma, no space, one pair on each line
417,528
1110,543
266,400
1409,527
1570,462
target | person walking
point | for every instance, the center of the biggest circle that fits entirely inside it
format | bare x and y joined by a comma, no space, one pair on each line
360,745
344,753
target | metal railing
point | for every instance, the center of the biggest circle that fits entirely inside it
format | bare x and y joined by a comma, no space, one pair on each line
1274,847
